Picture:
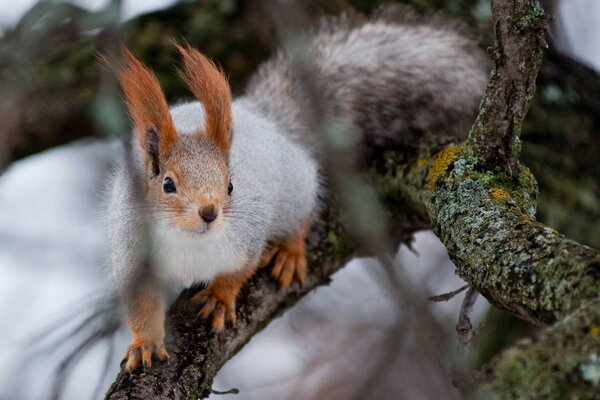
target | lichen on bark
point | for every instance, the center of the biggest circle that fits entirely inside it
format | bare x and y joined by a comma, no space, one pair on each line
486,222
559,363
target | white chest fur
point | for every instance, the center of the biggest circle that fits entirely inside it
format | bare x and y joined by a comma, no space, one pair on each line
183,258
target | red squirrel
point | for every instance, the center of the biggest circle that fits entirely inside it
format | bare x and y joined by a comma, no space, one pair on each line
232,185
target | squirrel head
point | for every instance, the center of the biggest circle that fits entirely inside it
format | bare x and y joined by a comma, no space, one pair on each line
187,174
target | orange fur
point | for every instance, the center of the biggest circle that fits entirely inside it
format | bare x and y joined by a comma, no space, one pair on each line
146,320
289,256
218,299
146,102
210,87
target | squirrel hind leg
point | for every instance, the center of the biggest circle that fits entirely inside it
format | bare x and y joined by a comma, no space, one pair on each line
288,258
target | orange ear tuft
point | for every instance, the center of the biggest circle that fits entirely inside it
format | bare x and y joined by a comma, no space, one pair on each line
146,103
210,86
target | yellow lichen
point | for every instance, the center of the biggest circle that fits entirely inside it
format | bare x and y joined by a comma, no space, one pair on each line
440,163
500,194
421,162
595,330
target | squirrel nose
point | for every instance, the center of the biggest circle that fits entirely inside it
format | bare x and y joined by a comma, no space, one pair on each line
208,213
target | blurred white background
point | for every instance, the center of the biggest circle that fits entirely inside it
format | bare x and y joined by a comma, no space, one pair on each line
52,253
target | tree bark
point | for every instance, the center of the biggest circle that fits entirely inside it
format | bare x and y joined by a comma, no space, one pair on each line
519,30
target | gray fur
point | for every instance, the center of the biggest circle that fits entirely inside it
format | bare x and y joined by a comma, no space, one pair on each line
393,76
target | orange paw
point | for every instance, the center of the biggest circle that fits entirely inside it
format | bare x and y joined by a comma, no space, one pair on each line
218,303
140,353
289,264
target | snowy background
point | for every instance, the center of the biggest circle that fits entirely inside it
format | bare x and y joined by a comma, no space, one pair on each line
52,252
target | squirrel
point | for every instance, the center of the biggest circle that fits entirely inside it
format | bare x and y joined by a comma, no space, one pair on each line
228,186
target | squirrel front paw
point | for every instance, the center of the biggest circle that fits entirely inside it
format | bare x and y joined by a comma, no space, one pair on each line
289,261
140,353
218,303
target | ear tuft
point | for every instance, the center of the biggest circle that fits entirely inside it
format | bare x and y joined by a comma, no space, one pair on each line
208,83
147,107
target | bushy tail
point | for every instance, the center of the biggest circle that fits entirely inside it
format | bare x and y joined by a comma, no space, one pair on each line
396,76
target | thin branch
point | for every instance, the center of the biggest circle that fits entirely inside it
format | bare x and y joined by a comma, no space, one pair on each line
449,295
464,327
520,27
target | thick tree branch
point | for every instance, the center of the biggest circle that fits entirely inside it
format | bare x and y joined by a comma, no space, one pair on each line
484,216
486,222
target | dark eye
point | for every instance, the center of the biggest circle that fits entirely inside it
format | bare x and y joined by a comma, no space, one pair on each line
169,185
230,188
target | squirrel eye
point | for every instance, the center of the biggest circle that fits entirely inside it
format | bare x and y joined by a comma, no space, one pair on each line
230,188
169,185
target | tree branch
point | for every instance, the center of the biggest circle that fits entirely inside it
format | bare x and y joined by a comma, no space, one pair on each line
519,27
482,207
486,222
560,362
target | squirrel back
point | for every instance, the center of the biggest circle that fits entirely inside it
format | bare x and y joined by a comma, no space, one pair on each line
394,76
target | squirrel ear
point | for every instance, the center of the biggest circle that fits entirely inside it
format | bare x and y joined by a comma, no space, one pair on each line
147,107
208,83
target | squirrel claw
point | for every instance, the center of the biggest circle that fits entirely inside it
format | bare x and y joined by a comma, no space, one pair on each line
217,305
140,354
288,258
289,264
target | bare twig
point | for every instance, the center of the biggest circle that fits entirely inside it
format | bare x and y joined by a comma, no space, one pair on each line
230,391
464,327
449,295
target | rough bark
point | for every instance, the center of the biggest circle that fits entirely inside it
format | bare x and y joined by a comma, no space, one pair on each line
517,54
484,216
486,222
561,362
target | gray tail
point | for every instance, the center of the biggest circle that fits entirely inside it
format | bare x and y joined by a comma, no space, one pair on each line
396,76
